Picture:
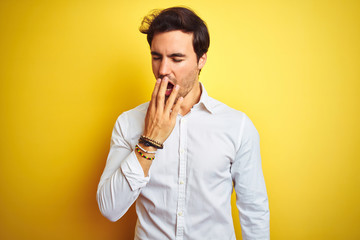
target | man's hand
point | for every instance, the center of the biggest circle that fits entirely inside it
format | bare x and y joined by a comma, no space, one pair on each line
161,116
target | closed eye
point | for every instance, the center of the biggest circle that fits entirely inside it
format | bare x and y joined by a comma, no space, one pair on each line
155,55
177,60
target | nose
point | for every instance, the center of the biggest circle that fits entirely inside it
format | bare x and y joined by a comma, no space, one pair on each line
164,68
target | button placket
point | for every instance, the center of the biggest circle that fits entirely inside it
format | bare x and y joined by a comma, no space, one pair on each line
182,175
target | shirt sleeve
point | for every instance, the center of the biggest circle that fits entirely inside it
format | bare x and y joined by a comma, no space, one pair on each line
249,184
123,177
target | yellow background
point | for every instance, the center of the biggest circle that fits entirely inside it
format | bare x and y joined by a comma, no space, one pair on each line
69,68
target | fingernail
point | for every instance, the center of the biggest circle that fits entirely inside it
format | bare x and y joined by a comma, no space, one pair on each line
181,98
158,80
177,87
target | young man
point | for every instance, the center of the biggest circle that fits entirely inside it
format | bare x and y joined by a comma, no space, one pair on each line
179,155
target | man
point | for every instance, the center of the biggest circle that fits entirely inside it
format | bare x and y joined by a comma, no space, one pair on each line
179,155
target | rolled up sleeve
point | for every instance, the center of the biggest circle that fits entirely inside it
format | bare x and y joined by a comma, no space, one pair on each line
123,176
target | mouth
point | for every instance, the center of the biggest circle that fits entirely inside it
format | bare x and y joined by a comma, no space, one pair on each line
169,89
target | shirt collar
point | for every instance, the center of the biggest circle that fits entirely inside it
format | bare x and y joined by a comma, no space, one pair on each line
205,101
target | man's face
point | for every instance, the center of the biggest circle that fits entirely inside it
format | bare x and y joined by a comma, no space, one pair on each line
173,56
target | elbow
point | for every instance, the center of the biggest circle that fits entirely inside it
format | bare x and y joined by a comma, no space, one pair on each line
109,214
110,217
106,209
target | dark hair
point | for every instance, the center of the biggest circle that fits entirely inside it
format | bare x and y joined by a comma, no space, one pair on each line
177,18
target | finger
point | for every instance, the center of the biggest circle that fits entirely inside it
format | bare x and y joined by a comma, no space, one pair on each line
155,92
160,98
171,99
176,108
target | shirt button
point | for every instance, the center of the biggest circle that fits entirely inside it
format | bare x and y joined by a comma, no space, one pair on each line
182,151
181,182
180,213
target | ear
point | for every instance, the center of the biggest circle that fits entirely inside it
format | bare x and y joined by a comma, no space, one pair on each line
202,61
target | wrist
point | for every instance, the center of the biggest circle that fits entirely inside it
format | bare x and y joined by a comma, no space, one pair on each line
147,149
147,156
146,141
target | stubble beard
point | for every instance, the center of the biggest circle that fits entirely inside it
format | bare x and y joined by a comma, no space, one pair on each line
183,93
185,90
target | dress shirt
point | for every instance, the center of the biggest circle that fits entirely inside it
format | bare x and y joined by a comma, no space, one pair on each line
187,192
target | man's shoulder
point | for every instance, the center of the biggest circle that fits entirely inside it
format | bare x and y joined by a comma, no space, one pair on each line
134,115
136,111
232,116
142,108
220,108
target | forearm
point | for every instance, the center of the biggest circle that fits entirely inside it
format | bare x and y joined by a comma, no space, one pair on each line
115,197
145,162
120,185
255,217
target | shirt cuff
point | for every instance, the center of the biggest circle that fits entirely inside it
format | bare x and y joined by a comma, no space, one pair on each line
133,172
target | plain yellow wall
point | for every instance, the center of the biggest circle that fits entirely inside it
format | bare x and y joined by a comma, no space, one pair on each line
69,68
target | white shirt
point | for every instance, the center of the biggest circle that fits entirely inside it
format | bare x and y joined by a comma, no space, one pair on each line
187,192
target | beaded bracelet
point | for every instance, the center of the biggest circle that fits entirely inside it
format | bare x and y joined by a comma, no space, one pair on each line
150,142
141,154
151,152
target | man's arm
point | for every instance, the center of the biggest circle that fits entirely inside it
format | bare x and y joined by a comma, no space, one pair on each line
123,176
160,118
126,171
249,184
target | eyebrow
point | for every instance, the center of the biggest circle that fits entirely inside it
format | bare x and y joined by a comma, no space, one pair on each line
171,55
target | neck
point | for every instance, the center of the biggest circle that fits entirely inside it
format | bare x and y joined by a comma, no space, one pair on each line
191,99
